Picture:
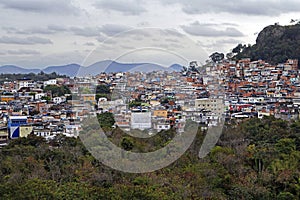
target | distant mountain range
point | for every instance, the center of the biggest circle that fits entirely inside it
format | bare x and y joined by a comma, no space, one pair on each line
94,69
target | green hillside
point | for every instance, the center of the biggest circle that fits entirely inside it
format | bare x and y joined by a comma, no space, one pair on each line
274,44
258,159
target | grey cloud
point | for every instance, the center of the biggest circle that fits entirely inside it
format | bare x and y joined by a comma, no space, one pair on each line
45,6
172,32
129,7
143,24
113,29
23,52
207,30
138,33
101,38
86,32
229,41
171,46
229,24
57,28
172,40
127,47
24,41
246,7
51,29
223,43
110,41
36,30
89,44
9,30
99,32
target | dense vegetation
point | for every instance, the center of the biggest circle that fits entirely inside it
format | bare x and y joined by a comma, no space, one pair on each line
258,159
274,44
36,77
103,91
57,91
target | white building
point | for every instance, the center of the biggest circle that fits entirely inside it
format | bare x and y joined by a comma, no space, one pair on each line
58,100
161,125
141,120
25,83
72,130
38,96
50,82
216,106
42,132
106,105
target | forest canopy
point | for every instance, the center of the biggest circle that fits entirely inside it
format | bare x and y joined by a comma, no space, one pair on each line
257,159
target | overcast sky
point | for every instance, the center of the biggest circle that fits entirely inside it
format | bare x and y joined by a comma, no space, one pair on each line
39,33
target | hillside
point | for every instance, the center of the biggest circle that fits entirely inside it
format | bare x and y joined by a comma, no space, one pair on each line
274,44
69,70
10,69
107,66
250,161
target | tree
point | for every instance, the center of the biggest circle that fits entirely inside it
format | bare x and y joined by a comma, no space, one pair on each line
216,57
56,90
127,143
250,161
237,49
229,55
102,89
47,98
84,90
106,120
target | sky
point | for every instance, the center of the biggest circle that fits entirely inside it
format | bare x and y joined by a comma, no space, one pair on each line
41,33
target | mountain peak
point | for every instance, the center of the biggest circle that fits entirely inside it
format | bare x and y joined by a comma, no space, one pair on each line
107,66
274,44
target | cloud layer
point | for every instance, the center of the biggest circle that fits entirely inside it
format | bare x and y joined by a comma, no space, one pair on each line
24,41
244,7
61,7
211,30
127,7
52,32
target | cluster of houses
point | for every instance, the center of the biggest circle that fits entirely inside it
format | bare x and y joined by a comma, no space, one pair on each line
260,89
207,95
153,101
27,108
160,100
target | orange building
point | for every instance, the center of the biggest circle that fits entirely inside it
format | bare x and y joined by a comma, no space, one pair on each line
160,113
7,98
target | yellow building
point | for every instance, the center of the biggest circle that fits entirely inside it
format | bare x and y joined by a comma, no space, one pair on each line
160,113
25,130
88,97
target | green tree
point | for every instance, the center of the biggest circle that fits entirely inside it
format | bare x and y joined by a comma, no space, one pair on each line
217,57
102,89
56,90
127,143
106,120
